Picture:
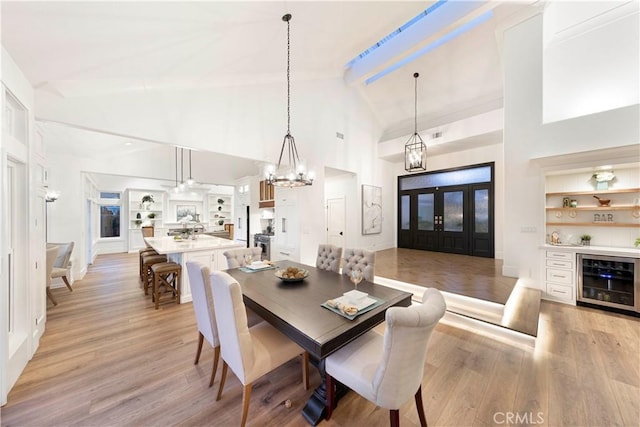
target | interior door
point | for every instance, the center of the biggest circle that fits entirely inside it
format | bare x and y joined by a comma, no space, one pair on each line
335,222
13,274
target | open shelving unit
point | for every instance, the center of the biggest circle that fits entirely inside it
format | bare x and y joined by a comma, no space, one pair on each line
140,214
624,210
220,210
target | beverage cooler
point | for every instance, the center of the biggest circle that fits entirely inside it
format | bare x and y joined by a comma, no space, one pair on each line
609,281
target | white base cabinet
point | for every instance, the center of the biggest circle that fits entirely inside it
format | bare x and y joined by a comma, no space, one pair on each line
560,275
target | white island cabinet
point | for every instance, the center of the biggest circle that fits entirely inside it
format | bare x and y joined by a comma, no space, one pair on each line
206,250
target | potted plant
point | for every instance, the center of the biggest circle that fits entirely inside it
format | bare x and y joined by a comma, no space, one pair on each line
585,240
637,242
138,222
152,215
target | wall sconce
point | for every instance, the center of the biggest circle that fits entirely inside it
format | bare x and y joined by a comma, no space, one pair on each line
51,196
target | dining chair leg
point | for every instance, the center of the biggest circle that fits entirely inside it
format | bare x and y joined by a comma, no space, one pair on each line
305,370
50,296
246,398
394,417
200,342
222,378
330,390
66,282
420,408
216,358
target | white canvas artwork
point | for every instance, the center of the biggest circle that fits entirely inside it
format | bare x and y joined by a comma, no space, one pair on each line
371,209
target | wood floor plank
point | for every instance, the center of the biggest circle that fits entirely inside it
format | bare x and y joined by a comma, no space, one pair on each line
108,358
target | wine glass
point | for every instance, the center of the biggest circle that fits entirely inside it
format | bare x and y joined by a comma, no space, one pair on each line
356,277
248,258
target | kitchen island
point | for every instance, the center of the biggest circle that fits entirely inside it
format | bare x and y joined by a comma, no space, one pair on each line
207,250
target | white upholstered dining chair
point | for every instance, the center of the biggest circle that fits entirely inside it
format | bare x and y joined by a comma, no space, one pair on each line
387,370
249,352
329,257
203,308
236,257
359,259
204,311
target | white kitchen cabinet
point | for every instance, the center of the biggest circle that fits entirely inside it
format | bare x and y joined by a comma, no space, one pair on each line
287,226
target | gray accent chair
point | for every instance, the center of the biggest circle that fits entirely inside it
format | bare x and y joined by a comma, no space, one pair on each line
52,253
329,258
388,370
359,259
235,257
62,264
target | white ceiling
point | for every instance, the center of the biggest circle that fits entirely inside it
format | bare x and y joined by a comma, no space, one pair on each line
84,48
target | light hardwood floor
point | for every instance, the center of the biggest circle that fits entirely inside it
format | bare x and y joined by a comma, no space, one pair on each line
109,358
459,274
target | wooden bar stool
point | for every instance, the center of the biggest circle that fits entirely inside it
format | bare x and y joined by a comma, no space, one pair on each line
147,275
169,275
141,252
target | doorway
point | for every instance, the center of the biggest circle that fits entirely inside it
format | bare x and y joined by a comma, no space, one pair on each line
448,211
89,233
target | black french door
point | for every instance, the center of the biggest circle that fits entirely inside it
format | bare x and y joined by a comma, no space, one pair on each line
453,219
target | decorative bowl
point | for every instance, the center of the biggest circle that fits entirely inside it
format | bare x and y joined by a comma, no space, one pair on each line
292,274
604,202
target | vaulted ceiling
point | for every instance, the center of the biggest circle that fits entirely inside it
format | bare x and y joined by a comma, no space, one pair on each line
78,49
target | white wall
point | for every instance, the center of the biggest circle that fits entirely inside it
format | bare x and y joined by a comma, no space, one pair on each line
591,61
526,138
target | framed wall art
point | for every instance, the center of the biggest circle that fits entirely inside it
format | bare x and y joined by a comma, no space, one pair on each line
183,211
371,209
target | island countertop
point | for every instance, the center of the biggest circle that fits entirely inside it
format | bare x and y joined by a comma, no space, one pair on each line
168,245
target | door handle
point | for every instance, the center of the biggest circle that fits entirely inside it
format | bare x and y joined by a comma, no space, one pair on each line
341,233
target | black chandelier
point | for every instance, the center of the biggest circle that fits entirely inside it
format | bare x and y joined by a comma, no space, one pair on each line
415,150
292,173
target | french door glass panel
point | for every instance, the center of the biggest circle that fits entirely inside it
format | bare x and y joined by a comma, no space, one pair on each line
425,212
453,211
405,213
481,211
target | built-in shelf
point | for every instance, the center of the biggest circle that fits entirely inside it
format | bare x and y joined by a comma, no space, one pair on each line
220,209
595,192
594,224
624,210
597,208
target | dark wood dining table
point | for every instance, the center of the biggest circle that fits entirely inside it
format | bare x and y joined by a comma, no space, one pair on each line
295,309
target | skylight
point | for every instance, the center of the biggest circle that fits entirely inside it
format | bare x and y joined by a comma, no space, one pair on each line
404,27
431,46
